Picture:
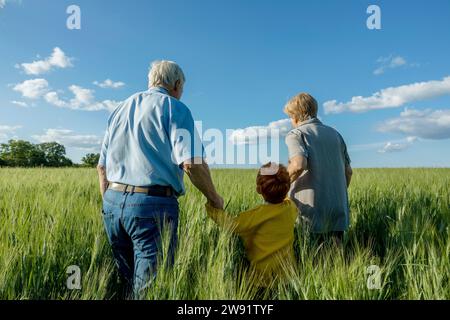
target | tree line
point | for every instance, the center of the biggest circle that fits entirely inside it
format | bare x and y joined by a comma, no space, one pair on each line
21,153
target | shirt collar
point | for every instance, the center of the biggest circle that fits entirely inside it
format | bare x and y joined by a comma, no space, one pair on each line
159,89
309,120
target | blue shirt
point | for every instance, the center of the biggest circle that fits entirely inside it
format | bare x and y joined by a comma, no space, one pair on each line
148,138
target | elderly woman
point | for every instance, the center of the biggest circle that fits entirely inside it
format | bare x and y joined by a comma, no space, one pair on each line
319,168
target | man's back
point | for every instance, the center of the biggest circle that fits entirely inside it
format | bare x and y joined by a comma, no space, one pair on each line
142,143
321,191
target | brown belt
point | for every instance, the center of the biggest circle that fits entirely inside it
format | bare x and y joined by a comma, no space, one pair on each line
156,191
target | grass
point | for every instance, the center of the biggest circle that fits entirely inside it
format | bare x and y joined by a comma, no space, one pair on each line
50,219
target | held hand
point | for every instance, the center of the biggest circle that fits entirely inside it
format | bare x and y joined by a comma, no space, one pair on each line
217,202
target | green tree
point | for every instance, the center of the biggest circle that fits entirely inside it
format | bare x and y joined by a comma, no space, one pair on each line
20,153
54,154
90,160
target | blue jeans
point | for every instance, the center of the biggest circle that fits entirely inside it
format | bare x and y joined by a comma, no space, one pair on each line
134,223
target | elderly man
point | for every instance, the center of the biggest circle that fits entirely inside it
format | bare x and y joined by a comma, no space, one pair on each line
149,143
319,167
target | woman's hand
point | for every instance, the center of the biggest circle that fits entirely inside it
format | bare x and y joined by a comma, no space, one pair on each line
216,202
296,166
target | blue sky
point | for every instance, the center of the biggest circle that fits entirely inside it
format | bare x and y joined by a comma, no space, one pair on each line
243,60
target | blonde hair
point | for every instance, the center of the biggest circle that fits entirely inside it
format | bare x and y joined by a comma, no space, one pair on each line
165,73
301,107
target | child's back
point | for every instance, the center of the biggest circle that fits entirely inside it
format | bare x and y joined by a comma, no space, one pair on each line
267,230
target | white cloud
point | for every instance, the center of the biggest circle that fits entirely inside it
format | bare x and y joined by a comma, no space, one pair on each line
20,103
385,146
393,147
250,135
426,124
3,3
397,146
70,139
57,59
392,97
53,98
109,105
109,84
83,99
390,62
32,89
7,131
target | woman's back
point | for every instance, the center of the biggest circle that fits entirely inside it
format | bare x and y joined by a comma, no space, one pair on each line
320,192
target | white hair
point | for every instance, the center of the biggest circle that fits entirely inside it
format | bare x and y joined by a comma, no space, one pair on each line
165,73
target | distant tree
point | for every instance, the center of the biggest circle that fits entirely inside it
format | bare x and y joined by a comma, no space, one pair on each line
90,160
20,153
3,163
54,154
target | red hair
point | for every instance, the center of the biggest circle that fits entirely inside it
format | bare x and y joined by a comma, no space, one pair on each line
273,187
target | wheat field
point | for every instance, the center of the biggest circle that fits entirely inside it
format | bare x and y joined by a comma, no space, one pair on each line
50,219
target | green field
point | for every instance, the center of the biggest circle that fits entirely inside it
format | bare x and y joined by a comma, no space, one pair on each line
50,219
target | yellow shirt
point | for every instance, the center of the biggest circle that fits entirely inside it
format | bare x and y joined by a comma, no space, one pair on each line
267,232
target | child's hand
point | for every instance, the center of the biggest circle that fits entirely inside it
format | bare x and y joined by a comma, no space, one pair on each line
217,202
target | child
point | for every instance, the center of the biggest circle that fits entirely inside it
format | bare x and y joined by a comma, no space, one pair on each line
267,230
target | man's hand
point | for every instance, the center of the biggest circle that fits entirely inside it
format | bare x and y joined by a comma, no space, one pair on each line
198,171
102,179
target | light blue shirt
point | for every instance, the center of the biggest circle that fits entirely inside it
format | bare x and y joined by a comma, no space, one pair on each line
148,138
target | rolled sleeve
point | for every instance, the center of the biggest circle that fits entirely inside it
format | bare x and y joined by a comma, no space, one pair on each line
186,142
296,146
104,149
